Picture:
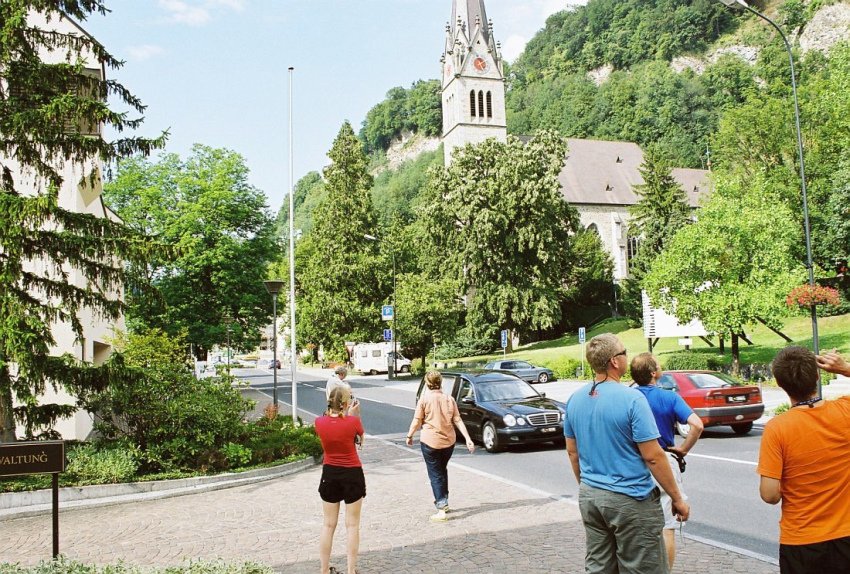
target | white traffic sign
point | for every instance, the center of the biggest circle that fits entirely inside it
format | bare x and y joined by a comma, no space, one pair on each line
581,334
504,338
388,334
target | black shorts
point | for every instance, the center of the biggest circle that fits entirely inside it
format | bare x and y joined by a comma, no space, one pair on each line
828,557
342,483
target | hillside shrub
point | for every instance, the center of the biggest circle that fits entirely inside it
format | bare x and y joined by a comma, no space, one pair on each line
564,368
689,361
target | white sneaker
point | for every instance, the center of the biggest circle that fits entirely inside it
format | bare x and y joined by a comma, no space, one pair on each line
440,516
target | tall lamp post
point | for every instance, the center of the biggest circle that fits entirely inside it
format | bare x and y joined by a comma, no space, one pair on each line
293,358
273,286
395,312
806,227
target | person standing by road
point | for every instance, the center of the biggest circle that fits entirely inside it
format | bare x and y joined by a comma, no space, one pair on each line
668,408
803,463
340,430
438,415
614,454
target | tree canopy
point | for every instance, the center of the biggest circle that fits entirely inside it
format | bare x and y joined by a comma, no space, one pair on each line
497,223
418,109
222,238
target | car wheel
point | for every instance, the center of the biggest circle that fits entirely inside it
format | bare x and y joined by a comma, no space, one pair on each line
405,369
490,438
373,372
742,428
683,429
543,378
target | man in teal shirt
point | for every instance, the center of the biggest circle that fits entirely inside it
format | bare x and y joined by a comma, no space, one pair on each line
613,449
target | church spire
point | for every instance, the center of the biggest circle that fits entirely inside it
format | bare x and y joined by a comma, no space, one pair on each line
470,14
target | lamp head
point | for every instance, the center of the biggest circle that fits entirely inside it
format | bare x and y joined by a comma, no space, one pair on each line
732,3
274,286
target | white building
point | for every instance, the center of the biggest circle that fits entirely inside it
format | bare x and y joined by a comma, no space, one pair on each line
78,195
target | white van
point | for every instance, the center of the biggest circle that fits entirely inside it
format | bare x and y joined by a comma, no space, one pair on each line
373,358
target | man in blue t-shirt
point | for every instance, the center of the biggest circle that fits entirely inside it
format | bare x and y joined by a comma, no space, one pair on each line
613,449
668,408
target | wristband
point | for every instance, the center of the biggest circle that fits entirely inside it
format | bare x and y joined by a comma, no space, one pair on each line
409,437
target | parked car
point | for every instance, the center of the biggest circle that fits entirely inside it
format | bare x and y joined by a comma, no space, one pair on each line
523,369
500,409
274,363
716,398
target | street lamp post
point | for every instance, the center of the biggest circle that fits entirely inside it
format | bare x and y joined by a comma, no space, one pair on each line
273,286
806,227
229,330
395,313
293,358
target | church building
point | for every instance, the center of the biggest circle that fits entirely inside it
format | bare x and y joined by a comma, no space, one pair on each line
598,177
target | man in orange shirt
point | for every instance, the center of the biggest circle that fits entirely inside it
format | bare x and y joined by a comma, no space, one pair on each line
803,462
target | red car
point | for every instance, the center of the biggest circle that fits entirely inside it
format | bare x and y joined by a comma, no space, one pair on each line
716,398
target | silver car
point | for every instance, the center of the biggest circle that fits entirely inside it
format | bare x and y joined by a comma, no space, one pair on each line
523,369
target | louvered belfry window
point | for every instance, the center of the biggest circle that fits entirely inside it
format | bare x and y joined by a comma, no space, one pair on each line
480,104
472,103
489,105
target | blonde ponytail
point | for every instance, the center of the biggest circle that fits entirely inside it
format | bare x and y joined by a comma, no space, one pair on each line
340,396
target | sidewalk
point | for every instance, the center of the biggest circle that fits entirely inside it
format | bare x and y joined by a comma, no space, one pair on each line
495,527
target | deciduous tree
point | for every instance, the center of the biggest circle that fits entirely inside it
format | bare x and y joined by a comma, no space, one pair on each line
498,224
223,238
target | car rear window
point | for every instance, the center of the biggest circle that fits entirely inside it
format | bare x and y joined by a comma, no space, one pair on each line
712,380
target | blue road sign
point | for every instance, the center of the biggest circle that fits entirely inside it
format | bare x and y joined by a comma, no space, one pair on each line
388,334
504,338
581,334
387,313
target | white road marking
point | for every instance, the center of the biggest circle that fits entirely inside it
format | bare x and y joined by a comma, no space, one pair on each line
724,459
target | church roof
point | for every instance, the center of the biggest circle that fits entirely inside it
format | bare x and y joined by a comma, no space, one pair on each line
468,11
599,172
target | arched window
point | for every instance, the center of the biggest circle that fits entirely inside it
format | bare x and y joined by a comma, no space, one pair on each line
480,104
489,105
472,103
592,227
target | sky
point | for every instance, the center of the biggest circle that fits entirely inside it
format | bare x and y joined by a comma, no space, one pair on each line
215,72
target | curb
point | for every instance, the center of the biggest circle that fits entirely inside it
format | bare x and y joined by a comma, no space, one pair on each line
35,503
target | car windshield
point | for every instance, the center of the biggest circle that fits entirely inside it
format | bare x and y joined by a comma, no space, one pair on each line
712,380
506,390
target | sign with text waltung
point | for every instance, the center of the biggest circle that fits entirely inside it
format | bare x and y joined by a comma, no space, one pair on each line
38,457
32,457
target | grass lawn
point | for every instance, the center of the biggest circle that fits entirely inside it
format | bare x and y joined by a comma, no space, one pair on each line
834,332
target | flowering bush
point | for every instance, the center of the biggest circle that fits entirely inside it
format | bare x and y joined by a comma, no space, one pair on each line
808,295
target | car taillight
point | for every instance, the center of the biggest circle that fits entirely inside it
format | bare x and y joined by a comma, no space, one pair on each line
716,397
755,396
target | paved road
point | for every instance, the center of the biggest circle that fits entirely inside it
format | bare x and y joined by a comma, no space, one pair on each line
720,479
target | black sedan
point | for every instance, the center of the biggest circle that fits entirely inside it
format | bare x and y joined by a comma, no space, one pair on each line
523,369
500,409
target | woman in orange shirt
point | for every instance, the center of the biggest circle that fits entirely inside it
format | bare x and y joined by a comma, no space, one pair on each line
438,415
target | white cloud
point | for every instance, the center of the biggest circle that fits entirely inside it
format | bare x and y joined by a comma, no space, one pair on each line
184,13
144,52
197,12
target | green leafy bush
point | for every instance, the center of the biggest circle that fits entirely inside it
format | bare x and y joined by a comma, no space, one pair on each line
64,566
175,421
236,455
277,438
89,465
690,361
565,368
784,407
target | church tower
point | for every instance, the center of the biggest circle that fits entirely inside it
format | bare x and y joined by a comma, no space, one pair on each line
473,86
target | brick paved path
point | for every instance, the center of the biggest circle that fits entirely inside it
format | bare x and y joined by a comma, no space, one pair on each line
494,527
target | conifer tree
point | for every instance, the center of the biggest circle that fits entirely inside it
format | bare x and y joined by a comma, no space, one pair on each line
55,262
342,283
